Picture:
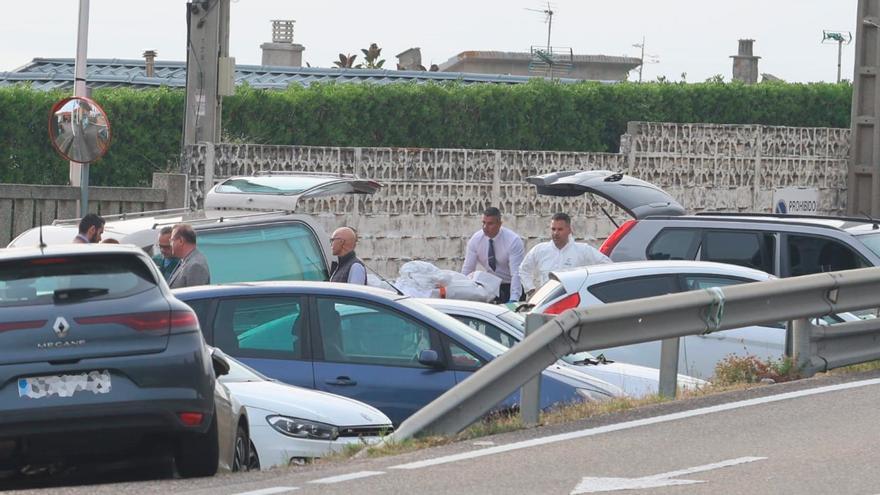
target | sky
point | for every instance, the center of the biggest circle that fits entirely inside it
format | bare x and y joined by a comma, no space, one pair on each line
690,37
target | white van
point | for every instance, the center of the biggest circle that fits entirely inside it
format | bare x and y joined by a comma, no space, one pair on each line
248,231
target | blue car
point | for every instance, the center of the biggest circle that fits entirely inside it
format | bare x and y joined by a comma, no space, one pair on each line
389,351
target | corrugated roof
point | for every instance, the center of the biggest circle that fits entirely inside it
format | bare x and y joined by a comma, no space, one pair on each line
57,73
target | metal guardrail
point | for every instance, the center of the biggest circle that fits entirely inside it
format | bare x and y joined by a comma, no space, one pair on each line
819,348
650,319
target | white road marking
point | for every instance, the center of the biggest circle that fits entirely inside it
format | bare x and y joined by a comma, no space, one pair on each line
483,444
270,491
347,477
595,485
632,424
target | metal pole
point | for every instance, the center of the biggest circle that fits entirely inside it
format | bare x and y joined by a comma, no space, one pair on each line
530,394
79,89
642,59
801,344
839,54
669,367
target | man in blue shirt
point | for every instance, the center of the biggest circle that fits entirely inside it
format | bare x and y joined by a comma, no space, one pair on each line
165,260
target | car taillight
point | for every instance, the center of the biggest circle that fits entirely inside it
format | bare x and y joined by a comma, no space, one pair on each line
568,302
612,240
21,325
155,321
191,418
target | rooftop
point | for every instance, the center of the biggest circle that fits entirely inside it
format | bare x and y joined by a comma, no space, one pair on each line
631,62
57,73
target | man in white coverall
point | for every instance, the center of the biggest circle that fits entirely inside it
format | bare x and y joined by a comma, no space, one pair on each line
559,253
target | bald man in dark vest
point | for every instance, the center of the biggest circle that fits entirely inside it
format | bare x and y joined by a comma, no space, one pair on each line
348,268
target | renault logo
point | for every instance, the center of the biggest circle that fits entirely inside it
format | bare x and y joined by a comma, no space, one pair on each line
61,327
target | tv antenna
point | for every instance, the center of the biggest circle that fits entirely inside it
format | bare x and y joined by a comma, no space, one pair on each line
841,38
548,13
645,57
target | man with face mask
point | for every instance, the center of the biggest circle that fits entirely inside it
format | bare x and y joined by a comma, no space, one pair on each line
499,251
166,262
559,253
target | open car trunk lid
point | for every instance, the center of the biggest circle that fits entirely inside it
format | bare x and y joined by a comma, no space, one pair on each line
638,198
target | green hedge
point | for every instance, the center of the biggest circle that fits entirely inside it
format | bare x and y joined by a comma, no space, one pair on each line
146,128
539,115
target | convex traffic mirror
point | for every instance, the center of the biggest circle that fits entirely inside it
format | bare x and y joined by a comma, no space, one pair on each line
79,129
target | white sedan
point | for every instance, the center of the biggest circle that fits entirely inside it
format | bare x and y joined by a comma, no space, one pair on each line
508,328
292,425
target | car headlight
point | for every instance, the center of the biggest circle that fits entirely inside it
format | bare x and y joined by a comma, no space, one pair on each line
301,428
590,395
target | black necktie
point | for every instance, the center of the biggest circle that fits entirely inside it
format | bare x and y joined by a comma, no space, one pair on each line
492,255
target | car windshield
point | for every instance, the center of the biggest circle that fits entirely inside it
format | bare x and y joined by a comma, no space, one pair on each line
272,184
467,334
872,241
70,279
239,372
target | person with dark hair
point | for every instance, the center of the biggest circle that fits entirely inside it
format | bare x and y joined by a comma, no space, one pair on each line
348,268
499,251
109,240
559,253
91,227
164,259
193,266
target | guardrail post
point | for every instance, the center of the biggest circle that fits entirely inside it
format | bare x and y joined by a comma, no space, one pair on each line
530,393
669,367
802,346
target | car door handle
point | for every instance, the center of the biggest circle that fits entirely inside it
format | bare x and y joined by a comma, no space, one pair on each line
342,381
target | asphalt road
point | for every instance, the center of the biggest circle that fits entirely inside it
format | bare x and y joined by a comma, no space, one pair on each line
813,436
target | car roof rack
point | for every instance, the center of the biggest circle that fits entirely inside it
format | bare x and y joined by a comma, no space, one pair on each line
864,219
221,219
127,216
175,211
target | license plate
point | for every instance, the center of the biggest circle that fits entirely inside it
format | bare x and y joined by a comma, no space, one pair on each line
96,382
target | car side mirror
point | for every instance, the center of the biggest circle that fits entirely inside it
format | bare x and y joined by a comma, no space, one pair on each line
221,365
429,357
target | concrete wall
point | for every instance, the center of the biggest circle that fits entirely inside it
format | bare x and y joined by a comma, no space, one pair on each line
26,206
432,198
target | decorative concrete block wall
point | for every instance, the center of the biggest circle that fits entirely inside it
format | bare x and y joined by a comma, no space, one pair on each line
432,198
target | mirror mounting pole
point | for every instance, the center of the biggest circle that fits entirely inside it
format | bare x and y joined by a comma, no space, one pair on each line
79,89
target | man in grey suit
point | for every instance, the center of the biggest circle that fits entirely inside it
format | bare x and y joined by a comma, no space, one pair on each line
193,267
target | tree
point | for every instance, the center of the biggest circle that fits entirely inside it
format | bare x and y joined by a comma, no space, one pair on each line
371,56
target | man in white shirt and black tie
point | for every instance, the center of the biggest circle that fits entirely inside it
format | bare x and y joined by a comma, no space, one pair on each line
499,251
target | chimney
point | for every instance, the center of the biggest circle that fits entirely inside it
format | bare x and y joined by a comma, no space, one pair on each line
410,59
282,51
745,64
150,57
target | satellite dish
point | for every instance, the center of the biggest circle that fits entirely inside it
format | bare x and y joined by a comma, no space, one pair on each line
79,129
